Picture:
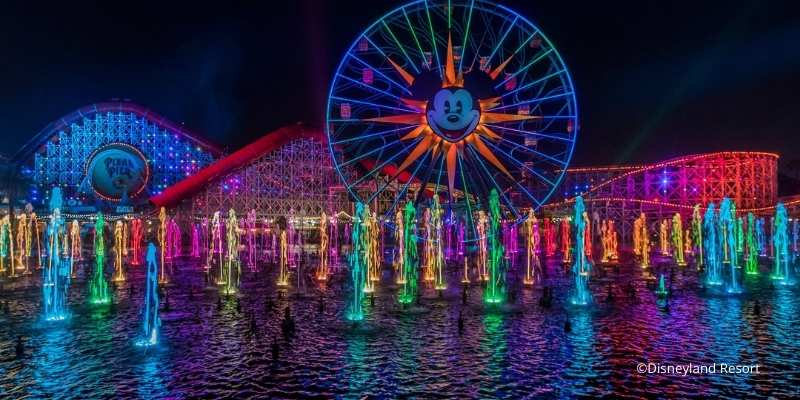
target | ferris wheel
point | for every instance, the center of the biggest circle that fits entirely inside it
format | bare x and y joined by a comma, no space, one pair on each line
454,98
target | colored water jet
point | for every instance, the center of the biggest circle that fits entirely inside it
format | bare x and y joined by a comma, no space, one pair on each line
663,236
581,268
677,240
358,270
483,245
119,244
55,275
532,249
6,245
711,247
232,270
322,269
642,240
751,264
566,242
408,290
697,236
98,287
150,320
137,235
283,259
728,225
495,286
662,288
781,271
438,255
162,243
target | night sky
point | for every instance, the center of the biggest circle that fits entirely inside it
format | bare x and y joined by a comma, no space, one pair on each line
654,79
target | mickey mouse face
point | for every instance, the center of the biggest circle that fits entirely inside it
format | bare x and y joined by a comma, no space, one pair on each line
451,114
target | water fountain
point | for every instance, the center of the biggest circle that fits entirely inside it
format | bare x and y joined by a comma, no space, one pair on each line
137,234
438,255
357,266
119,243
739,233
322,270
728,225
642,240
761,238
98,287
549,238
195,253
366,247
751,267
677,240
232,267
283,259
6,244
711,247
663,236
408,292
150,319
582,267
55,276
781,271
483,245
566,241
162,244
495,287
532,249
662,288
23,244
697,236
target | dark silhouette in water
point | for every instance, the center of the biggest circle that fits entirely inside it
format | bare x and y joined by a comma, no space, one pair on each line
20,347
6,308
238,305
131,290
287,325
253,327
219,302
757,308
268,304
275,348
464,295
567,326
321,305
372,299
191,293
460,323
166,301
610,295
547,297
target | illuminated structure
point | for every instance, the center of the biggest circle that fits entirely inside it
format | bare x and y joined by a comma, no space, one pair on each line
62,153
283,259
663,237
483,245
411,106
6,245
727,228
358,260
399,243
162,244
661,189
150,319
408,292
751,254
137,235
712,246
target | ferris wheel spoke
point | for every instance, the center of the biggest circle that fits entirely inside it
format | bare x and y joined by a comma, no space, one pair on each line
414,35
466,35
523,133
536,100
553,160
377,71
525,68
522,164
500,190
362,156
370,87
434,45
367,103
399,46
502,38
371,135
540,80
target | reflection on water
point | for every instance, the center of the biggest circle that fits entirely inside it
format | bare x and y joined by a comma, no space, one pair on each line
207,349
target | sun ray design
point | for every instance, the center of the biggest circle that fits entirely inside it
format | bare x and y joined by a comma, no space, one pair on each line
445,135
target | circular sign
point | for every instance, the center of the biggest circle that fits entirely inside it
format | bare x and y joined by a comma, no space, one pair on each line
117,170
